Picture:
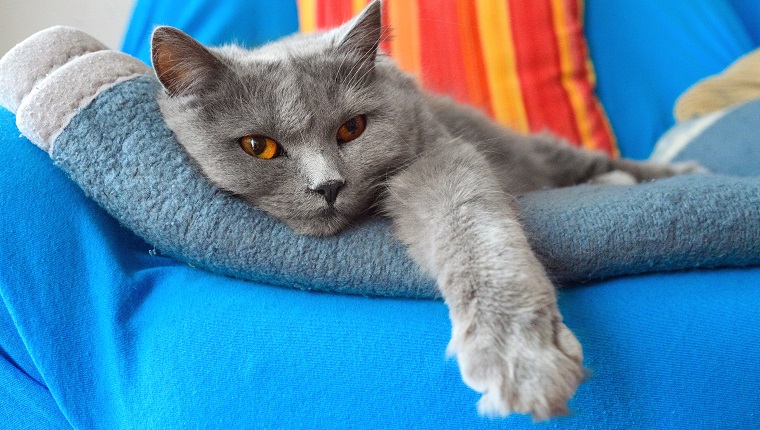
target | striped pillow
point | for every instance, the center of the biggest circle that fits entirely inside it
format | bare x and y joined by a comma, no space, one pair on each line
525,63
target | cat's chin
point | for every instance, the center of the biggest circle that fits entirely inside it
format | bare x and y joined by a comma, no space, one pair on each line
324,224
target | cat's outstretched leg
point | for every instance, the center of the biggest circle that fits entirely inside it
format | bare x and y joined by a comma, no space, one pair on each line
507,332
553,162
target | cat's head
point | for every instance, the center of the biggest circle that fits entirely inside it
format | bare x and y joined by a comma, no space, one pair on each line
306,128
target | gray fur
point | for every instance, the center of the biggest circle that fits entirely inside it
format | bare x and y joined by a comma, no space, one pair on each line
442,172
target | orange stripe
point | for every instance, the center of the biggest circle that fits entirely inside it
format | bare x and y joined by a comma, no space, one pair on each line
307,15
358,5
405,44
472,57
495,31
569,74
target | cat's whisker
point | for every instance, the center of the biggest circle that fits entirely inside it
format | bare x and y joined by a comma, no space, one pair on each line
355,67
361,78
339,74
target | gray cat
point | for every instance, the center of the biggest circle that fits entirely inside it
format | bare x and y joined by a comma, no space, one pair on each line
319,130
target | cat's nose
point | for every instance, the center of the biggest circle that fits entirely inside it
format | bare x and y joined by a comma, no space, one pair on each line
329,190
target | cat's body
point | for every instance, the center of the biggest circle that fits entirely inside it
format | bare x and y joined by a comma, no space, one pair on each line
330,129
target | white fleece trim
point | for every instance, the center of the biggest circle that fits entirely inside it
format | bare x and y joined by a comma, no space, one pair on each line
39,55
46,111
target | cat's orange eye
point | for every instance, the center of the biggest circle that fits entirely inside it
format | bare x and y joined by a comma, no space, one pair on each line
352,129
260,147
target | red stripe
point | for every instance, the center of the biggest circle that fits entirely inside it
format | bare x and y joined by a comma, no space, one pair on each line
440,49
332,13
538,65
322,14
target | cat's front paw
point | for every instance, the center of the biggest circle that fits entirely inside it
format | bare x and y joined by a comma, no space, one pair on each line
531,368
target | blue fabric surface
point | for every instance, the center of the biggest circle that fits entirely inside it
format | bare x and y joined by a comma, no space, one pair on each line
246,22
647,52
749,13
118,337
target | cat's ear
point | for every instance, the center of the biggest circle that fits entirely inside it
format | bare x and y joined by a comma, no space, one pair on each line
360,36
181,63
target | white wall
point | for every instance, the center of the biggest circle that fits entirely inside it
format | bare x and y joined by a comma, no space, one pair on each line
104,19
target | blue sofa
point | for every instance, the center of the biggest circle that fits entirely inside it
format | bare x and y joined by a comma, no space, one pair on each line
97,331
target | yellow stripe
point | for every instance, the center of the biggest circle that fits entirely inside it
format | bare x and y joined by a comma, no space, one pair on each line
495,29
358,5
574,91
307,15
405,43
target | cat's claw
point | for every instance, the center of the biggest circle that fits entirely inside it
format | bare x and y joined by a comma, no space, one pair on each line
524,372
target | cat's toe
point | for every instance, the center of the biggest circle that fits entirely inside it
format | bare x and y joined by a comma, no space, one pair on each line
547,379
